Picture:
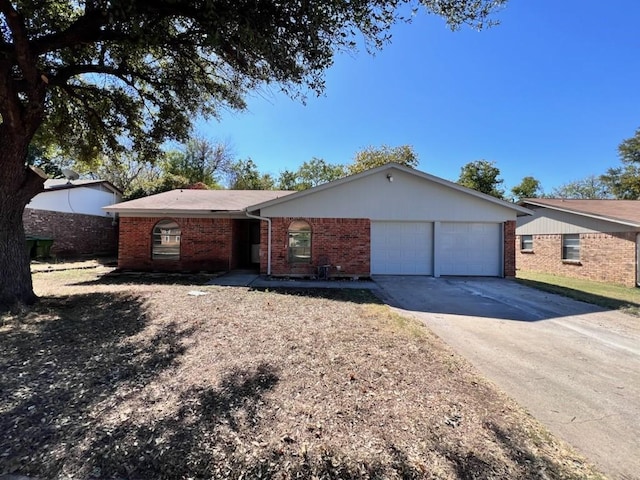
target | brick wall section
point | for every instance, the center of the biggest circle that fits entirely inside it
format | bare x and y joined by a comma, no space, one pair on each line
509,248
343,241
604,257
206,244
73,233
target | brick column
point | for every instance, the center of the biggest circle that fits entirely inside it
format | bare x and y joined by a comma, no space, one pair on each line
509,248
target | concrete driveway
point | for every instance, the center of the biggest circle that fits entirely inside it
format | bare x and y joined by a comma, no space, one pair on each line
573,366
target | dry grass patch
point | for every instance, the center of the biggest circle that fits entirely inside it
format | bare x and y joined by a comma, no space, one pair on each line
127,379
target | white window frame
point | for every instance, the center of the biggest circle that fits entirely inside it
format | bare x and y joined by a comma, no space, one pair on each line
571,247
299,241
162,246
526,243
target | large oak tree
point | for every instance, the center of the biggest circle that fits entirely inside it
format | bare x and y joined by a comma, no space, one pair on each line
98,76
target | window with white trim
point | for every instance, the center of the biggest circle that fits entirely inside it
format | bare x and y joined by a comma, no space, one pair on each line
166,241
571,247
299,242
526,243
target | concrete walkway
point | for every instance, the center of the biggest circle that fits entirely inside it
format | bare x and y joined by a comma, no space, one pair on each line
574,366
249,278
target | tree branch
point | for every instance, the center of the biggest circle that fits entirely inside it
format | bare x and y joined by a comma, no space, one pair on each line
24,56
71,91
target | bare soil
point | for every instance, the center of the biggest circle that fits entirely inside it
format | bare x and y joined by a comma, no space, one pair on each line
137,377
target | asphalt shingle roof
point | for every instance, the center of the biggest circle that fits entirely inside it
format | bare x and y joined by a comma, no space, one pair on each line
627,211
199,201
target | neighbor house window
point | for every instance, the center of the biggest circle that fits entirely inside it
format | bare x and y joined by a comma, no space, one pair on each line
571,247
166,241
526,242
299,242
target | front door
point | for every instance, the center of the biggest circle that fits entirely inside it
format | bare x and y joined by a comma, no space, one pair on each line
247,243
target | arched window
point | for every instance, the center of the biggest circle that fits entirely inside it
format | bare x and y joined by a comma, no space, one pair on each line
166,241
299,242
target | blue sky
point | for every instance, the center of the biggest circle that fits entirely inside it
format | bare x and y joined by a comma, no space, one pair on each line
550,92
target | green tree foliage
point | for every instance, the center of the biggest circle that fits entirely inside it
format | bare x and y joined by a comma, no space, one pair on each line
100,76
125,171
316,172
287,180
591,187
41,157
244,175
529,187
372,157
624,182
482,176
629,149
201,161
310,174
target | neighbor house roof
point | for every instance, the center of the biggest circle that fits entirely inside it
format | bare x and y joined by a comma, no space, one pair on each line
62,183
412,171
196,201
626,212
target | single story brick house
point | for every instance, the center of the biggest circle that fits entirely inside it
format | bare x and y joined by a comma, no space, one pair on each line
592,239
71,213
387,220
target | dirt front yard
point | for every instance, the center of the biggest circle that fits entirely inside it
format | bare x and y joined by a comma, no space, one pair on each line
162,377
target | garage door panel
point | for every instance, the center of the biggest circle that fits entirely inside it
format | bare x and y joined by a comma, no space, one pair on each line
470,249
402,248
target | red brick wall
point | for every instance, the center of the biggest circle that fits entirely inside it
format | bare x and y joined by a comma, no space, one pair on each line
604,257
73,233
509,248
343,241
205,245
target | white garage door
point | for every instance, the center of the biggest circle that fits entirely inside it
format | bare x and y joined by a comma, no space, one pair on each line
402,248
470,249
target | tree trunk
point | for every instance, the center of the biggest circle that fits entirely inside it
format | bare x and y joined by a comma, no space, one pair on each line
18,185
16,287
22,102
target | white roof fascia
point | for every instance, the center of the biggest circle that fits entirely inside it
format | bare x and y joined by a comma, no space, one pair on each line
148,212
86,184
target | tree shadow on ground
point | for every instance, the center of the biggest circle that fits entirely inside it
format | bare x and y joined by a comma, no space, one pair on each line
199,440
214,434
62,360
534,466
149,278
481,465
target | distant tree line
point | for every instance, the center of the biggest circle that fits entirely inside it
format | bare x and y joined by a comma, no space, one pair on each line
621,182
207,164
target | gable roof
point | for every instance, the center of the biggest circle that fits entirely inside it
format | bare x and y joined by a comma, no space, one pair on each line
196,201
625,212
390,167
236,201
63,183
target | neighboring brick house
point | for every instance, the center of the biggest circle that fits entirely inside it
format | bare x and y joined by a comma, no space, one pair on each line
592,239
387,220
70,213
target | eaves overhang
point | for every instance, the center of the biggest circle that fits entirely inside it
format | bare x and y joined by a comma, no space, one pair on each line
572,211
